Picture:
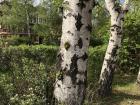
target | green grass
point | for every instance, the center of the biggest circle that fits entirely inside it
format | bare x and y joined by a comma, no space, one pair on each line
125,92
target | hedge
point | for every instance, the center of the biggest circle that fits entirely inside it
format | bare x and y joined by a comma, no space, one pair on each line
27,73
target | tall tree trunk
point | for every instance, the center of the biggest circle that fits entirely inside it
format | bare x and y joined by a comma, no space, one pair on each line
71,81
117,16
27,18
138,77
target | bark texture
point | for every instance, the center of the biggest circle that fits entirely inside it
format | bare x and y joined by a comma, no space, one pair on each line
138,77
117,16
76,28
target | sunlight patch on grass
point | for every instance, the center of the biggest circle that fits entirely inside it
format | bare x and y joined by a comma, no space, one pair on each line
132,88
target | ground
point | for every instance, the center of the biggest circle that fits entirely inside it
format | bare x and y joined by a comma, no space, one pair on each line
125,91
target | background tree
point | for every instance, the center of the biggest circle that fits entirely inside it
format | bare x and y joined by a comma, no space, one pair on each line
109,65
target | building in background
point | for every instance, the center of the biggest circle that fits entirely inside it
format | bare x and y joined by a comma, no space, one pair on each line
8,31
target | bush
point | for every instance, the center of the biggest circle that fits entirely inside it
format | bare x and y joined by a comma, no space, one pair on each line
129,59
96,41
16,40
95,61
27,73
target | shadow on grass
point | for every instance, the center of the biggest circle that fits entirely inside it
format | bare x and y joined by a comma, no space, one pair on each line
122,95
123,80
119,95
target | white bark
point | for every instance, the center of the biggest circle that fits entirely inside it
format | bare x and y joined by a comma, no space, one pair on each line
76,29
138,77
117,17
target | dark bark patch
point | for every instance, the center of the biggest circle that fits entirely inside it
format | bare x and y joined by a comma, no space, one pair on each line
122,19
66,3
69,32
119,33
67,45
58,85
125,11
109,53
80,43
64,17
84,57
114,51
80,82
78,23
69,15
118,9
112,29
81,4
89,28
69,87
112,40
90,11
116,26
73,68
105,85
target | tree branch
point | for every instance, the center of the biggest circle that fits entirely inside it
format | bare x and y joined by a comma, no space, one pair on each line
125,6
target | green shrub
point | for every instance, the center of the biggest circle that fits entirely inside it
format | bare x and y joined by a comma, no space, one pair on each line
17,40
96,57
27,73
96,41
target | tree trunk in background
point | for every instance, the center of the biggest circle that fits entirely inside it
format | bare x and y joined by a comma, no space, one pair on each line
138,77
71,81
117,16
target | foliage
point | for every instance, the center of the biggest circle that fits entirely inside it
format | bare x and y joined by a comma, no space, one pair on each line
27,73
96,57
16,40
15,13
129,59
54,22
96,41
100,23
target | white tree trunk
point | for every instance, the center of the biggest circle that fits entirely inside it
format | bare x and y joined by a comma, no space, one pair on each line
138,77
76,28
106,76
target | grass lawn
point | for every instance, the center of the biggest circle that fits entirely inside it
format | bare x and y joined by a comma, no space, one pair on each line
125,91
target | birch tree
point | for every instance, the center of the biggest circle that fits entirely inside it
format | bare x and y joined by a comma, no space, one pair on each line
138,77
76,28
117,13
